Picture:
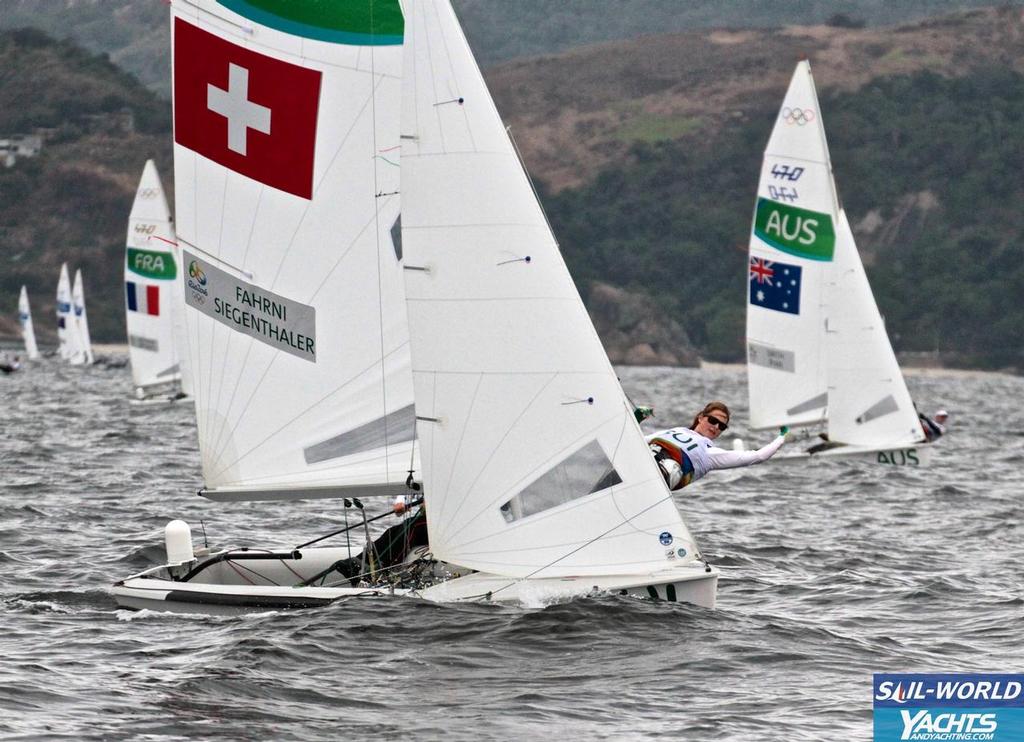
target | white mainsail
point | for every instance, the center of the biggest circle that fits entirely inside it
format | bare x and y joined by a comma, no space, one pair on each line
791,248
67,336
28,334
80,320
868,401
286,190
533,462
154,300
816,345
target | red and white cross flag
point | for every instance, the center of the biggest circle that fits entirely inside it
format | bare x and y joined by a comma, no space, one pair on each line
249,112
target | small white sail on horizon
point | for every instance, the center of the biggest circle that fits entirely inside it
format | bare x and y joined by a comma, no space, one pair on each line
28,333
817,349
154,299
82,354
67,336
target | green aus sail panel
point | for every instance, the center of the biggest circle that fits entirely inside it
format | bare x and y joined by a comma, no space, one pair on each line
354,22
801,232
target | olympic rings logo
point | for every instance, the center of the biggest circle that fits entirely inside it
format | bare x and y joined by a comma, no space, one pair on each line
798,116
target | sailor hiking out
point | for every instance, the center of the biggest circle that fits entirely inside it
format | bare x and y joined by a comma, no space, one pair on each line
684,455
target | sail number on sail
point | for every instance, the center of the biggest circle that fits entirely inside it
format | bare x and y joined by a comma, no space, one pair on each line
263,315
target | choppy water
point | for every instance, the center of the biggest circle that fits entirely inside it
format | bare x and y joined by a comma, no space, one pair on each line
830,573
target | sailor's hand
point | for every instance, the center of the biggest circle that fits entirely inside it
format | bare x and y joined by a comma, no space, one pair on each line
784,432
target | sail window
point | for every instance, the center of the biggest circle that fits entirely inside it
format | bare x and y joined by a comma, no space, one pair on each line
583,473
397,427
885,406
396,237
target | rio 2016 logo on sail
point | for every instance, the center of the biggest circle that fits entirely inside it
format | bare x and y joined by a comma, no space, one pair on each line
197,281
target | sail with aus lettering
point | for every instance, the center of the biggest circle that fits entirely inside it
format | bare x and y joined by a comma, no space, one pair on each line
817,348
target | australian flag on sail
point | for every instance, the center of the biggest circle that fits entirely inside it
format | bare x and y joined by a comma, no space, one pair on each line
775,285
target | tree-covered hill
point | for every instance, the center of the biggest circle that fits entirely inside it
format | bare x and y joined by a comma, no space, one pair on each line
71,202
647,153
929,169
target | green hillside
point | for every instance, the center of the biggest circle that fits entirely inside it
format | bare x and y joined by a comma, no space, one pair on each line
71,202
929,169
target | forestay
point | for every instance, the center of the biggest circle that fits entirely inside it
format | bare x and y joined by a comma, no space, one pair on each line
154,300
792,245
80,322
286,181
28,333
533,462
67,337
868,401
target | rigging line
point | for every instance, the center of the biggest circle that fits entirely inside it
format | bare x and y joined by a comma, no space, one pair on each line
298,415
583,546
376,233
618,444
214,258
327,172
483,467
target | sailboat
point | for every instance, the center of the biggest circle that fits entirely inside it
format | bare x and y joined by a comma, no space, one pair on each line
818,355
67,336
28,334
154,300
80,324
537,482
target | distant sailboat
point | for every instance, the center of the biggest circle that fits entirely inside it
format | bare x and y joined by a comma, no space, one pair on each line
817,350
80,323
67,336
28,334
154,300
537,479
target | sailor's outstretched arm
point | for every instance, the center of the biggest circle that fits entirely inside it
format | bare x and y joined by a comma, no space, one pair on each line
723,459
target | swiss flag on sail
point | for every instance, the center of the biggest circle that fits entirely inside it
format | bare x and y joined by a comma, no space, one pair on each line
249,112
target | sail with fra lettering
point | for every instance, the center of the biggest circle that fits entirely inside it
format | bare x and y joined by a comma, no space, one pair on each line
28,333
286,159
154,300
817,348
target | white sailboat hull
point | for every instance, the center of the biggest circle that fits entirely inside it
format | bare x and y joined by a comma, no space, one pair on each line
916,455
221,590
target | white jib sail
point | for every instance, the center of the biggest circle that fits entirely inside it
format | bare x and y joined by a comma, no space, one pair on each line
80,321
868,401
153,295
67,336
792,244
28,334
533,463
286,191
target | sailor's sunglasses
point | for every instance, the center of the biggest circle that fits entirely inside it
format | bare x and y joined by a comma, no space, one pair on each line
720,424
